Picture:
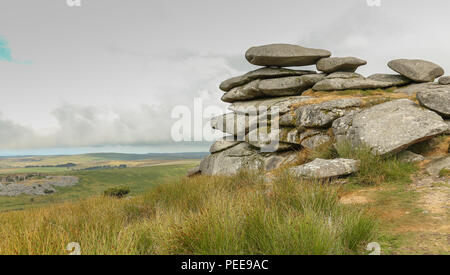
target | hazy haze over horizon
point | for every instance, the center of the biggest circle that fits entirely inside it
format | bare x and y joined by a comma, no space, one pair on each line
105,76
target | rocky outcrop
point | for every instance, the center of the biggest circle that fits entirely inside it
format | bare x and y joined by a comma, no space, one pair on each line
278,113
416,69
284,55
326,168
437,100
339,64
389,127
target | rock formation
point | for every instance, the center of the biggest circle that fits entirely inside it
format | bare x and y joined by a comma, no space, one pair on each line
296,110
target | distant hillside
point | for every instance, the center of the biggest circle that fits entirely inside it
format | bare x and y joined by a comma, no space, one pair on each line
165,156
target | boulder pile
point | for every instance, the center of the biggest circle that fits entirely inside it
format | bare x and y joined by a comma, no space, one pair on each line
302,109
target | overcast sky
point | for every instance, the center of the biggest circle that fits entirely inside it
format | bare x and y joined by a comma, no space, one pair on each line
105,76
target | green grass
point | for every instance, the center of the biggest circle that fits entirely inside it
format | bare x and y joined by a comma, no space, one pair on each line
201,215
444,173
95,182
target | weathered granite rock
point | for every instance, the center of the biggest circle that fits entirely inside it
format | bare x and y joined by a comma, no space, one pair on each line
344,75
43,187
416,69
393,79
223,144
236,124
337,84
415,88
243,155
262,73
283,104
389,127
445,80
435,166
448,130
323,114
193,172
437,100
284,55
311,79
326,168
268,139
342,64
408,156
315,141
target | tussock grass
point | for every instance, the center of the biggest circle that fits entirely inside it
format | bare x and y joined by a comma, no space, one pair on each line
243,214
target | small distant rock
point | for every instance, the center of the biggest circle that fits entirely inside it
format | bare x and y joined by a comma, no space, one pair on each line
435,166
436,100
343,64
262,73
445,80
326,168
393,79
284,55
408,156
416,69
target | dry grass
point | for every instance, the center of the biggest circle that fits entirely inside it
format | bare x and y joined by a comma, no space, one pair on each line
205,215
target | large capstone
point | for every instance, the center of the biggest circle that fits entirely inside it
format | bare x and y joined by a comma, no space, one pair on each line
343,64
284,55
416,69
389,127
262,73
436,100
326,168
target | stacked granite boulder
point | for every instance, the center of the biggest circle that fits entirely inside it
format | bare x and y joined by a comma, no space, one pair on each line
315,107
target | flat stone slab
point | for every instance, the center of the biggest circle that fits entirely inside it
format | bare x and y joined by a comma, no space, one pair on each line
419,87
284,55
274,87
283,104
343,64
326,168
337,84
237,124
416,69
436,100
344,75
262,73
393,79
389,127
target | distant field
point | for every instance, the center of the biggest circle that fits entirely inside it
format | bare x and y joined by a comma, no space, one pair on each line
23,164
139,179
